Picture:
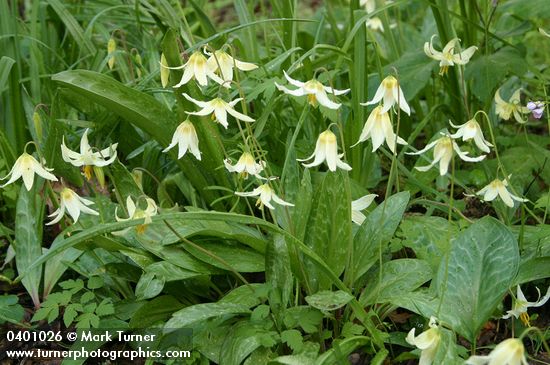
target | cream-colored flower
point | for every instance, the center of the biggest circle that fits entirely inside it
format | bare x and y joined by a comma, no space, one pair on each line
498,188
265,194
196,67
521,305
427,342
444,148
375,24
472,130
358,205
326,148
544,33
447,57
246,165
370,5
186,138
26,166
509,352
87,157
513,106
224,63
135,212
218,108
73,204
390,91
315,91
379,128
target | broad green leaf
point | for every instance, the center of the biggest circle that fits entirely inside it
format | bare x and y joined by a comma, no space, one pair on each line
327,300
482,264
158,309
242,340
329,228
167,271
72,26
278,273
197,313
54,268
249,295
229,256
124,183
10,310
149,285
341,349
375,233
533,269
399,277
28,233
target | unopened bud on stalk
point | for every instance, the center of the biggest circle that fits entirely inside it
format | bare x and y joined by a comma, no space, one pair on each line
111,48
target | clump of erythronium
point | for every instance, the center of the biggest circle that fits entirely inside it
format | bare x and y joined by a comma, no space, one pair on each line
73,204
26,166
265,195
427,342
135,212
448,57
326,148
498,188
379,128
246,165
358,205
505,109
536,107
444,148
521,305
87,158
218,108
390,92
472,130
221,62
186,138
315,91
509,352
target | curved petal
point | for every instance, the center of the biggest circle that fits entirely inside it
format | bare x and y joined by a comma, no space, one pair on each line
292,81
323,99
296,92
240,116
202,104
463,57
245,66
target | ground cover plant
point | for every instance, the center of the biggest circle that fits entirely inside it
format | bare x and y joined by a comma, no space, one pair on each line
296,182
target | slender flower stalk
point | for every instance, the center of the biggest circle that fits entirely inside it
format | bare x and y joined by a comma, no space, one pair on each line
315,91
26,166
73,204
327,149
218,109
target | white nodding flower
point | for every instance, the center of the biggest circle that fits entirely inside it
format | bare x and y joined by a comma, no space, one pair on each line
186,138
375,24
26,166
427,342
196,67
315,91
358,205
521,305
219,109
135,212
265,195
370,5
444,148
498,188
326,148
509,352
222,62
472,130
87,157
505,109
390,92
246,165
448,57
73,204
379,128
